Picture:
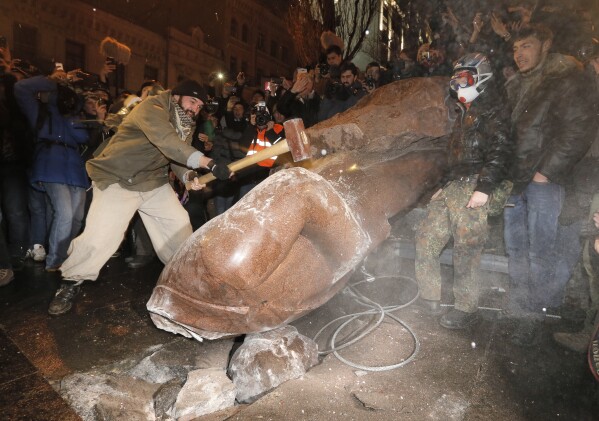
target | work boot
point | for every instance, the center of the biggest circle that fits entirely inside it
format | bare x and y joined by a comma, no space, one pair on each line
140,261
526,332
457,319
6,276
577,342
430,307
63,300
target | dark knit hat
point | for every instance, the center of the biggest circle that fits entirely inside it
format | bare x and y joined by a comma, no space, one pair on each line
190,88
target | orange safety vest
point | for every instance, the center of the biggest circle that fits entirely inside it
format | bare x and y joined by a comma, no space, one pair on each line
263,140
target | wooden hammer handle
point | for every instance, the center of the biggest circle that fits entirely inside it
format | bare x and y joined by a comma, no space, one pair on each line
277,149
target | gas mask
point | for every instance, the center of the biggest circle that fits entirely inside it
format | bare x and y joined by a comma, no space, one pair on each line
468,86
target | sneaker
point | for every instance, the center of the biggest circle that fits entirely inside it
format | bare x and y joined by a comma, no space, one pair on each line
430,307
63,300
457,319
577,342
6,276
37,253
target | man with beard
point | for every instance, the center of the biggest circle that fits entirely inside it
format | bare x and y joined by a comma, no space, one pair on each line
131,174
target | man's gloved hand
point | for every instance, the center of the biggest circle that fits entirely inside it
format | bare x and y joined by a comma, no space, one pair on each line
219,170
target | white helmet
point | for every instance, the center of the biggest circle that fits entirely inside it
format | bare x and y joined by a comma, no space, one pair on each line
470,75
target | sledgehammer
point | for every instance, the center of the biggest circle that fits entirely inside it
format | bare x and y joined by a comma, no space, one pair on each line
296,142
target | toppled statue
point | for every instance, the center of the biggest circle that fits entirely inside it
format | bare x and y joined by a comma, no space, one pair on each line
292,243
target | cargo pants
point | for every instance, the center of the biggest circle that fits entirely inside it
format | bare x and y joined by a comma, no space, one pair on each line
448,216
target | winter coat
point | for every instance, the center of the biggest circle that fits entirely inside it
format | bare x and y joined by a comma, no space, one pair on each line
480,142
554,123
139,154
57,158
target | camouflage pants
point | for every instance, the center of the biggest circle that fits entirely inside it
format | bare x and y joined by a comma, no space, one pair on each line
448,216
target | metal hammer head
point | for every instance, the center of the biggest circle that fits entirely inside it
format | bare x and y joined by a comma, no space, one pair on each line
297,140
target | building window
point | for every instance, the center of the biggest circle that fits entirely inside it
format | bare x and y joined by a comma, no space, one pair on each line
74,57
244,66
245,33
233,66
25,42
150,73
274,49
284,54
234,28
259,74
260,41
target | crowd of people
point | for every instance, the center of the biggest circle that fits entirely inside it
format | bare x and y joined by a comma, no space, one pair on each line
81,170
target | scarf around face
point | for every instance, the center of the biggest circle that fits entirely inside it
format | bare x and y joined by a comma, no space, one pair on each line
184,122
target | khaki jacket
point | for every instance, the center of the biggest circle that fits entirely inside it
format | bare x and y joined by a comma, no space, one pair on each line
139,154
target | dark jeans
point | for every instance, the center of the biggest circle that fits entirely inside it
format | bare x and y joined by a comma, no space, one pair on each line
223,203
196,208
13,198
531,238
68,203
38,210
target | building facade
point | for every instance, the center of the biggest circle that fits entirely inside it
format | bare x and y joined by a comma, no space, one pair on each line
197,40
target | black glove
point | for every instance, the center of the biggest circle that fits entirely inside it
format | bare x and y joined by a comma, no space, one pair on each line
219,170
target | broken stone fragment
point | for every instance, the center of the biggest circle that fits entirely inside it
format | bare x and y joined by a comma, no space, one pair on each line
205,391
165,398
265,360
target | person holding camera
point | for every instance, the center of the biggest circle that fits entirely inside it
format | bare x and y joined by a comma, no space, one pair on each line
131,175
340,96
327,72
51,106
261,133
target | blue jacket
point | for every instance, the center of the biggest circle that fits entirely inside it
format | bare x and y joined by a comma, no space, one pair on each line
56,158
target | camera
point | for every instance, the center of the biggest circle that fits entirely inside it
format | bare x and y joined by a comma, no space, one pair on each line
324,68
68,100
211,107
370,82
262,114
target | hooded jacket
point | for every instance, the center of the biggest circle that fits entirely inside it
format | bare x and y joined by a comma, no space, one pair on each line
553,123
56,157
147,142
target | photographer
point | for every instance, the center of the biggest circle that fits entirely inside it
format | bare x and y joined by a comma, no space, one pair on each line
262,133
51,106
326,73
373,76
341,96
